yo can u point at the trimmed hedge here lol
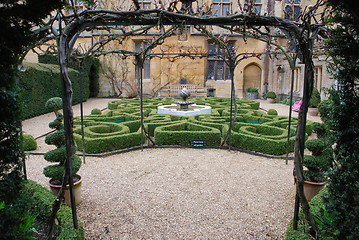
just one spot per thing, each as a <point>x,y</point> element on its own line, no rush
<point>38,200</point>
<point>261,132</point>
<point>262,138</point>
<point>28,142</point>
<point>319,212</point>
<point>43,81</point>
<point>128,136</point>
<point>90,67</point>
<point>183,133</point>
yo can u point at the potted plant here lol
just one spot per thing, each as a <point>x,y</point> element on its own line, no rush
<point>271,96</point>
<point>318,164</point>
<point>251,93</point>
<point>314,102</point>
<point>56,171</point>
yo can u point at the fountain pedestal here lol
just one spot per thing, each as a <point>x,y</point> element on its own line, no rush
<point>194,110</point>
<point>184,107</point>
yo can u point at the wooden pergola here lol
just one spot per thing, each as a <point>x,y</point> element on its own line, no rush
<point>301,35</point>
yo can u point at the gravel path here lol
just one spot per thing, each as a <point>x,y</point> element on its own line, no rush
<point>178,193</point>
<point>182,194</point>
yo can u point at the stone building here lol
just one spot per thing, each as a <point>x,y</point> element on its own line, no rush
<point>266,73</point>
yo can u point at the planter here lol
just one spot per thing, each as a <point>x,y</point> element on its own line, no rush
<point>252,95</point>
<point>55,188</point>
<point>270,100</point>
<point>313,111</point>
<point>312,188</point>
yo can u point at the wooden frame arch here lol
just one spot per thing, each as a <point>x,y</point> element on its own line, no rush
<point>300,33</point>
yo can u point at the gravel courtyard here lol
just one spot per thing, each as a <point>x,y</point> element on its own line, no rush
<point>177,193</point>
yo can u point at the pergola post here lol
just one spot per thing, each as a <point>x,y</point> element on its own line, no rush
<point>97,18</point>
<point>138,69</point>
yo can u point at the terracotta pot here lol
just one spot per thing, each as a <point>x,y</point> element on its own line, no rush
<point>270,100</point>
<point>313,111</point>
<point>312,188</point>
<point>77,190</point>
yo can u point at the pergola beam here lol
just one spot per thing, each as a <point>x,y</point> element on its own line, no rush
<point>94,19</point>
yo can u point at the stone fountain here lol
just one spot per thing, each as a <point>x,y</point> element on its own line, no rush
<point>184,107</point>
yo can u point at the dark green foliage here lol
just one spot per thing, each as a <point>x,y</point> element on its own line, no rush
<point>48,59</point>
<point>321,161</point>
<point>317,146</point>
<point>252,90</point>
<point>315,98</point>
<point>18,19</point>
<point>10,154</point>
<point>272,112</point>
<point>320,129</point>
<point>57,171</point>
<point>29,142</point>
<point>317,166</point>
<point>286,101</point>
<point>183,133</point>
<point>38,201</point>
<point>262,138</point>
<point>33,201</point>
<point>90,69</point>
<point>321,217</point>
<point>118,128</point>
<point>57,139</point>
<point>325,109</point>
<point>93,68</point>
<point>343,119</point>
<point>109,143</point>
<point>96,111</point>
<point>16,225</point>
<point>56,155</point>
<point>43,81</point>
<point>300,234</point>
<point>271,95</point>
<point>54,104</point>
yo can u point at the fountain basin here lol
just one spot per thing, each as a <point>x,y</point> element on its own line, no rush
<point>193,110</point>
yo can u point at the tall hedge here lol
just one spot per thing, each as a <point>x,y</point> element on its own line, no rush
<point>43,81</point>
<point>90,68</point>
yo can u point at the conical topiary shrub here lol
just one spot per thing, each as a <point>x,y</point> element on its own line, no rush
<point>315,98</point>
<point>55,172</point>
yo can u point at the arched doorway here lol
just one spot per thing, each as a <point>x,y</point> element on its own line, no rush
<point>252,76</point>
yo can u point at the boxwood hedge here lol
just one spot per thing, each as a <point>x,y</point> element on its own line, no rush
<point>118,127</point>
<point>183,133</point>
<point>262,138</point>
<point>38,200</point>
<point>128,135</point>
<point>41,82</point>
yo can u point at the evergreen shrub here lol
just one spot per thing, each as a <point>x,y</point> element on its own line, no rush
<point>90,68</point>
<point>271,95</point>
<point>252,90</point>
<point>57,139</point>
<point>319,129</point>
<point>101,136</point>
<point>43,81</point>
<point>272,112</point>
<point>262,138</point>
<point>96,111</point>
<point>315,98</point>
<point>129,135</point>
<point>183,133</point>
<point>29,142</point>
<point>38,200</point>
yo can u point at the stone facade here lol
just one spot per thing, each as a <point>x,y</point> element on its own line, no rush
<point>264,73</point>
